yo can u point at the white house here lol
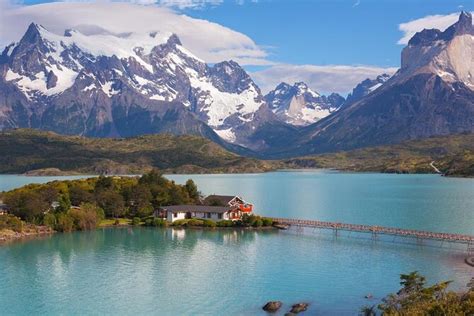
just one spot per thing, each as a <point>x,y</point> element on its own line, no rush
<point>218,208</point>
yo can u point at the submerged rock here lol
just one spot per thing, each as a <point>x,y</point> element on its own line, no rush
<point>272,306</point>
<point>298,308</point>
<point>470,261</point>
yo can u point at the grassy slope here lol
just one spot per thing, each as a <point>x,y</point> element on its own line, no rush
<point>30,150</point>
<point>27,150</point>
<point>453,155</point>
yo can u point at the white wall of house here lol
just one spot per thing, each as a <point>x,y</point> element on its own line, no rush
<point>210,215</point>
<point>201,215</point>
<point>175,216</point>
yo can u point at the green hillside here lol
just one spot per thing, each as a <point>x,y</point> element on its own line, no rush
<point>452,155</point>
<point>25,150</point>
<point>43,153</point>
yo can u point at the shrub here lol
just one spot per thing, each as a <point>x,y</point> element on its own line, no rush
<point>257,223</point>
<point>15,224</point>
<point>149,222</point>
<point>415,298</point>
<point>225,223</point>
<point>86,216</point>
<point>267,221</point>
<point>117,222</point>
<point>195,222</point>
<point>159,222</point>
<point>65,223</point>
<point>136,221</point>
<point>209,223</point>
<point>249,220</point>
<point>100,214</point>
<point>238,223</point>
<point>49,220</point>
<point>11,222</point>
<point>145,211</point>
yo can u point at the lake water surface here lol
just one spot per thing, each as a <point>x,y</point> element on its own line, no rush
<point>190,272</point>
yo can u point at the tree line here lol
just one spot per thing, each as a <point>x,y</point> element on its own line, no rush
<point>417,298</point>
<point>81,204</point>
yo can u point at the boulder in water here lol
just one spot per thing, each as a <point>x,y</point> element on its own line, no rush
<point>272,306</point>
<point>298,308</point>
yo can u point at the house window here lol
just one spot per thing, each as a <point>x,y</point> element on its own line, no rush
<point>208,215</point>
<point>175,214</point>
<point>219,216</point>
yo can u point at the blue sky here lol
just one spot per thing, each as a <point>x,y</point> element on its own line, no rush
<point>327,32</point>
<point>320,42</point>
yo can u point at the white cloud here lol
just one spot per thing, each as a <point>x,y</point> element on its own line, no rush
<point>324,79</point>
<point>186,4</point>
<point>440,22</point>
<point>209,41</point>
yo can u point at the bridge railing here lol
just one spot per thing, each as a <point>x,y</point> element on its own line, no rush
<point>376,229</point>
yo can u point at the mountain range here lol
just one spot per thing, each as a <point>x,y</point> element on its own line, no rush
<point>122,85</point>
<point>432,94</point>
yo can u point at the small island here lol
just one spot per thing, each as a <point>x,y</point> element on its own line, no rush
<point>148,200</point>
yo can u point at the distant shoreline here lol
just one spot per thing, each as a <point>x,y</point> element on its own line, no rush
<point>60,173</point>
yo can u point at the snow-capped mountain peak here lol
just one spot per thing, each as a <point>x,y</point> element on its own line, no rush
<point>303,88</point>
<point>299,105</point>
<point>146,70</point>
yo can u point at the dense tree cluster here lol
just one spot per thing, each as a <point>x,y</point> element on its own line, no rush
<point>81,204</point>
<point>416,298</point>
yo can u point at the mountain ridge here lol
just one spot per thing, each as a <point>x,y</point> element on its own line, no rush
<point>122,85</point>
<point>430,95</point>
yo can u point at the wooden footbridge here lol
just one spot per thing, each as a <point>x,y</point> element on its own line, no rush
<point>419,235</point>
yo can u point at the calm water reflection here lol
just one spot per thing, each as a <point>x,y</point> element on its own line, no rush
<point>177,272</point>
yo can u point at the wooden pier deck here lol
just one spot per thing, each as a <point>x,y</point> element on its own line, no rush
<point>376,230</point>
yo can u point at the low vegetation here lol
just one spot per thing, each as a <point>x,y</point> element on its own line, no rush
<point>453,155</point>
<point>10,222</point>
<point>87,203</point>
<point>416,298</point>
<point>247,220</point>
<point>45,153</point>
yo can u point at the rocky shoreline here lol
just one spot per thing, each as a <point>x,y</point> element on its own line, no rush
<point>8,235</point>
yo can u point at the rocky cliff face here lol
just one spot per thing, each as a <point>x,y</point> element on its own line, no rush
<point>365,87</point>
<point>432,94</point>
<point>447,54</point>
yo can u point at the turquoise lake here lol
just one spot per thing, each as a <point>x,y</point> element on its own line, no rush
<point>233,272</point>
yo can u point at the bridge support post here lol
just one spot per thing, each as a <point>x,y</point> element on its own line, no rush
<point>374,235</point>
<point>419,241</point>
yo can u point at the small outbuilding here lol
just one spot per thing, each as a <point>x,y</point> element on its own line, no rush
<point>3,208</point>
